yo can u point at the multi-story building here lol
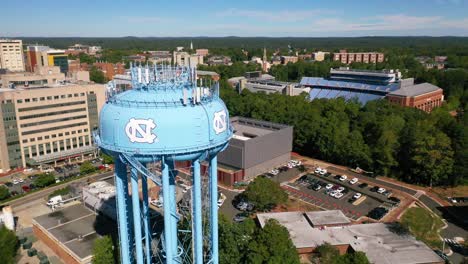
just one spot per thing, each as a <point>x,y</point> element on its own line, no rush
<point>365,85</point>
<point>41,77</point>
<point>110,69</point>
<point>185,59</point>
<point>202,52</point>
<point>288,59</point>
<point>40,125</point>
<point>319,55</point>
<point>11,55</point>
<point>365,57</point>
<point>38,55</point>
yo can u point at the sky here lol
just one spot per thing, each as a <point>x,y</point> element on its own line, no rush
<point>245,18</point>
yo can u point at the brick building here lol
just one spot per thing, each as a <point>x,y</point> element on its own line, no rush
<point>365,57</point>
<point>424,96</point>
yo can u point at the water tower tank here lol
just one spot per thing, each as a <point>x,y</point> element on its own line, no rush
<point>168,116</point>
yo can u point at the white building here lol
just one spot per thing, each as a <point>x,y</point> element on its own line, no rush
<point>183,58</point>
<point>11,55</point>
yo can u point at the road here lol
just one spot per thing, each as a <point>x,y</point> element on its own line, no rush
<point>40,194</point>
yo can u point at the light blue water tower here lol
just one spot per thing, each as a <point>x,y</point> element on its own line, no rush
<point>168,116</point>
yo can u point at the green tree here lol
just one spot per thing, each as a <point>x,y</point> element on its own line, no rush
<point>8,245</point>
<point>265,193</point>
<point>327,253</point>
<point>97,76</point>
<point>44,180</point>
<point>272,245</point>
<point>351,258</point>
<point>103,251</point>
<point>234,239</point>
<point>107,159</point>
<point>4,192</point>
<point>86,168</point>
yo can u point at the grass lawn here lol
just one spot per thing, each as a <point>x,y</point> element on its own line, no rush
<point>423,225</point>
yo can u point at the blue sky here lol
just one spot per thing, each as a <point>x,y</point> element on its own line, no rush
<point>274,18</point>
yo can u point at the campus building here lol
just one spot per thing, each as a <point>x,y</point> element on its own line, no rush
<point>183,58</point>
<point>364,57</point>
<point>366,85</point>
<point>11,55</point>
<point>308,230</point>
<point>41,56</point>
<point>47,121</point>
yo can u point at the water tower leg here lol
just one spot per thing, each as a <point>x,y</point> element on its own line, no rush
<point>173,205</point>
<point>137,217</point>
<point>146,220</point>
<point>168,236</point>
<point>197,214</point>
<point>214,208</point>
<point>122,195</point>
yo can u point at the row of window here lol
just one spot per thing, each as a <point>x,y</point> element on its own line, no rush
<point>79,131</point>
<point>56,146</point>
<point>63,96</point>
<point>53,128</point>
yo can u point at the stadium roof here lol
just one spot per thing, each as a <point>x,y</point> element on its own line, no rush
<point>358,86</point>
<point>415,90</point>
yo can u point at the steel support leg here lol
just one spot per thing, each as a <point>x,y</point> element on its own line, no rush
<point>214,209</point>
<point>168,236</point>
<point>123,214</point>
<point>137,217</point>
<point>146,219</point>
<point>173,206</point>
<point>197,214</point>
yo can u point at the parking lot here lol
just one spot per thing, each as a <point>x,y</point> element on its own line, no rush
<point>303,188</point>
<point>19,183</point>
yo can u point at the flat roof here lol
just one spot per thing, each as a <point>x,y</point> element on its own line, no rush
<point>76,228</point>
<point>379,241</point>
<point>322,218</point>
<point>416,90</point>
<point>246,128</point>
<point>297,225</point>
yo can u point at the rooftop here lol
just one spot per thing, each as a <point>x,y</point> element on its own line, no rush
<point>246,128</point>
<point>75,228</point>
<point>322,218</point>
<point>380,242</point>
<point>416,90</point>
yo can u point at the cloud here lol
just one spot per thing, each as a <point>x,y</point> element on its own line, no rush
<point>279,16</point>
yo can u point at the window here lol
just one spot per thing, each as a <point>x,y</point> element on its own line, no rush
<point>70,95</point>
<point>19,101</point>
<point>39,138</point>
<point>63,96</point>
<point>42,98</point>
<point>56,97</point>
<point>34,99</point>
<point>27,100</point>
<point>49,97</point>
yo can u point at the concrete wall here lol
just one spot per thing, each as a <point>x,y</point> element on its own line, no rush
<point>250,173</point>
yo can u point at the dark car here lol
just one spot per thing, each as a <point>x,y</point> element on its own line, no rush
<point>374,189</point>
<point>14,193</point>
<point>302,179</point>
<point>8,184</point>
<point>317,187</point>
<point>363,185</point>
<point>394,200</point>
<point>240,217</point>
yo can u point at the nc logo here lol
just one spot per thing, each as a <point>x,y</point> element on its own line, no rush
<point>219,121</point>
<point>139,130</point>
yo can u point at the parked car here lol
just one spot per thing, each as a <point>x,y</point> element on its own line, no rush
<point>15,181</point>
<point>395,200</point>
<point>14,193</point>
<point>374,189</point>
<point>317,187</point>
<point>343,178</point>
<point>240,217</point>
<point>353,181</point>
<point>340,189</point>
<point>387,193</point>
<point>329,186</point>
<point>363,185</point>
<point>339,195</point>
<point>333,193</point>
<point>323,172</point>
<point>381,190</point>
<point>221,199</point>
<point>357,196</point>
<point>8,184</point>
<point>26,188</point>
<point>318,170</point>
<point>302,179</point>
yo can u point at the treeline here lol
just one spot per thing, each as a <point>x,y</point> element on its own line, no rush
<point>429,46</point>
<point>405,143</point>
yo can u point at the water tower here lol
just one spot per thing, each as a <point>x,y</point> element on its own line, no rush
<point>168,116</point>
